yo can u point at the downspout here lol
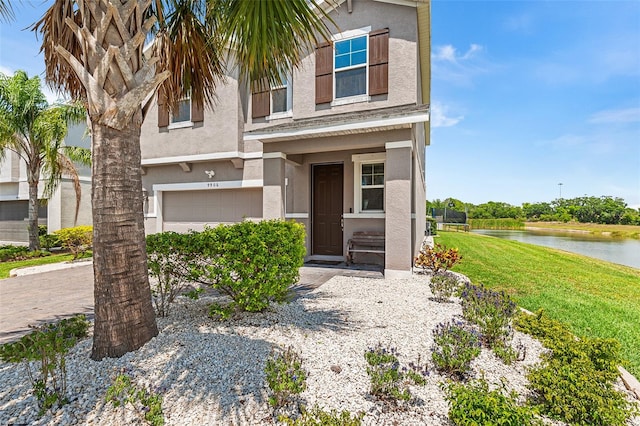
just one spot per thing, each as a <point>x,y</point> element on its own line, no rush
<point>349,6</point>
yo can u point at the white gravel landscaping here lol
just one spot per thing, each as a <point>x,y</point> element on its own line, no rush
<point>211,373</point>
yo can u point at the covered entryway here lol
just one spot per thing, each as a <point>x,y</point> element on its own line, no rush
<point>327,208</point>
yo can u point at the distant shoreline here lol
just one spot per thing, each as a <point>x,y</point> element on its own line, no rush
<point>613,231</point>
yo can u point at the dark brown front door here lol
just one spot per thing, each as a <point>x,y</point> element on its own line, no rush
<point>326,219</point>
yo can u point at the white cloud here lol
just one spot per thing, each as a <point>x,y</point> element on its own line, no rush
<point>628,115</point>
<point>458,68</point>
<point>448,53</point>
<point>439,116</point>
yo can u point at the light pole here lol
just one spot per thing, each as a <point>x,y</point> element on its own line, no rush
<point>560,186</point>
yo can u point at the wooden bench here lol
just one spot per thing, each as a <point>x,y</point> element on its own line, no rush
<point>365,242</point>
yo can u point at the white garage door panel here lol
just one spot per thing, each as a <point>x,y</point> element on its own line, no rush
<point>213,206</point>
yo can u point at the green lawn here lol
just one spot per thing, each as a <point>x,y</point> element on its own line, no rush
<point>5,267</point>
<point>595,298</point>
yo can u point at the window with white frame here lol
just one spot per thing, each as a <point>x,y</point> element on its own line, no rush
<point>182,114</point>
<point>369,172</point>
<point>281,98</point>
<point>350,67</point>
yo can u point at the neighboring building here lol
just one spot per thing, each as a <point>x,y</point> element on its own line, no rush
<point>339,146</point>
<point>58,211</point>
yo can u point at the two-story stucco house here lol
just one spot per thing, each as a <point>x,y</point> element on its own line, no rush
<point>339,146</point>
<point>57,212</point>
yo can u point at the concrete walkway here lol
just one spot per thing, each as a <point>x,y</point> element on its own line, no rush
<point>44,297</point>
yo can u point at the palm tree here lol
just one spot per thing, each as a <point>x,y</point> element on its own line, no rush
<point>35,131</point>
<point>94,49</point>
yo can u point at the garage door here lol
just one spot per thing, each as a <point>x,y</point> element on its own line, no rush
<point>193,209</point>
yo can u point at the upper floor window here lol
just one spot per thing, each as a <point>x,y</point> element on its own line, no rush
<point>183,112</point>
<point>353,67</point>
<point>272,102</point>
<point>186,114</point>
<point>350,64</point>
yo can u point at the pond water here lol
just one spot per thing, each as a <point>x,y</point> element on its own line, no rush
<point>624,251</point>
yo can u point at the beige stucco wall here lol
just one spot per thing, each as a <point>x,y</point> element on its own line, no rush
<point>403,58</point>
<point>221,130</point>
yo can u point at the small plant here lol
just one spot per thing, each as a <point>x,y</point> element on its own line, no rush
<point>475,404</point>
<point>438,258</point>
<point>318,417</point>
<point>387,380</point>
<point>506,353</point>
<point>77,239</point>
<point>145,402</point>
<point>455,346</point>
<point>492,311</point>
<point>285,376</point>
<point>443,286</point>
<point>578,394</point>
<point>417,372</point>
<point>47,345</point>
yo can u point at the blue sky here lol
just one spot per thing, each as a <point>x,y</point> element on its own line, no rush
<point>525,95</point>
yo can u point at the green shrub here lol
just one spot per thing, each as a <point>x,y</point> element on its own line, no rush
<point>10,253</point>
<point>42,230</point>
<point>285,376</point>
<point>318,417</point>
<point>443,286</point>
<point>574,382</point>
<point>145,402</point>
<point>474,404</point>
<point>434,225</point>
<point>47,347</point>
<point>492,311</point>
<point>77,239</point>
<point>387,380</point>
<point>49,240</point>
<point>438,258</point>
<point>604,354</point>
<point>168,261</point>
<point>455,346</point>
<point>578,394</point>
<point>253,264</point>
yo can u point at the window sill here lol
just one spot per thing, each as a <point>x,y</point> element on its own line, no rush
<point>351,100</point>
<point>180,125</point>
<point>280,115</point>
<point>364,215</point>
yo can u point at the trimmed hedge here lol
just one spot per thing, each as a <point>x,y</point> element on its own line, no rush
<point>252,263</point>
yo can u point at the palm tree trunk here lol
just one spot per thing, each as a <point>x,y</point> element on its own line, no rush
<point>124,316</point>
<point>34,240</point>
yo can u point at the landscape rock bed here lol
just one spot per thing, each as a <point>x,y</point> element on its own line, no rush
<point>211,372</point>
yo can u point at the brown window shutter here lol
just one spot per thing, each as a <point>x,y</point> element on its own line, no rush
<point>197,112</point>
<point>324,73</point>
<point>260,100</point>
<point>163,111</point>
<point>379,62</point>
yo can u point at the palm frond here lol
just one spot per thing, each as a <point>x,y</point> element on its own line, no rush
<point>269,37</point>
<point>55,32</point>
<point>6,11</point>
<point>191,50</point>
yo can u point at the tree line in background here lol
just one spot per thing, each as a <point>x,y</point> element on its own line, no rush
<point>605,210</point>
